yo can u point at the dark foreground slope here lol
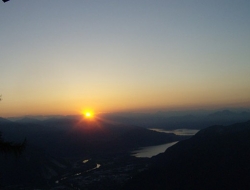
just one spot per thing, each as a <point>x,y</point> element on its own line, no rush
<point>217,157</point>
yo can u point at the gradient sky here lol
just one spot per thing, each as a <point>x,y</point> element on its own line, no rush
<point>61,56</point>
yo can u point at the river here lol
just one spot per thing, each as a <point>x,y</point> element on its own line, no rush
<point>80,173</point>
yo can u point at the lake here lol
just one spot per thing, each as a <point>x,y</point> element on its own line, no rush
<point>149,151</point>
<point>177,131</point>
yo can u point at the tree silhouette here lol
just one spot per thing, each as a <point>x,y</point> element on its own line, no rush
<point>7,147</point>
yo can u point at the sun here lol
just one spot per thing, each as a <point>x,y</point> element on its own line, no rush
<point>88,114</point>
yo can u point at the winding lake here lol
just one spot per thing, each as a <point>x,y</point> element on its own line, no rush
<point>149,151</point>
<point>177,131</point>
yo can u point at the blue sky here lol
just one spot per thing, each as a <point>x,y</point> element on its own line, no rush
<point>60,57</point>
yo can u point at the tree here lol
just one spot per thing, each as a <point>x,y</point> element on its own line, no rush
<point>7,147</point>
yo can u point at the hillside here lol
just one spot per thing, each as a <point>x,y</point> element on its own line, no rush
<point>215,158</point>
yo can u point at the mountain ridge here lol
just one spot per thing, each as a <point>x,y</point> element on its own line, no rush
<point>215,158</point>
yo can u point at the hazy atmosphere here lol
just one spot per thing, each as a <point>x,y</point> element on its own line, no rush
<point>62,57</point>
<point>105,94</point>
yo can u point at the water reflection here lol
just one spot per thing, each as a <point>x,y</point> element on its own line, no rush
<point>80,173</point>
<point>177,131</point>
<point>149,151</point>
<point>85,161</point>
<point>97,166</point>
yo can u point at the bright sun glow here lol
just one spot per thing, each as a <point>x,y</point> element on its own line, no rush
<point>88,114</point>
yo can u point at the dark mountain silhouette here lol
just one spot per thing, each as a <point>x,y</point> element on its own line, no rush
<point>215,158</point>
<point>31,169</point>
<point>4,121</point>
<point>28,120</point>
<point>58,140</point>
<point>192,120</point>
<point>10,146</point>
<point>223,113</point>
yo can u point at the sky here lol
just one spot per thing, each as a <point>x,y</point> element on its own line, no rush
<point>62,57</point>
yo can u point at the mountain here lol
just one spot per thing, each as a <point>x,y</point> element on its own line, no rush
<point>33,168</point>
<point>182,120</point>
<point>4,121</point>
<point>56,145</point>
<point>215,158</point>
<point>27,120</point>
<point>75,132</point>
<point>223,113</point>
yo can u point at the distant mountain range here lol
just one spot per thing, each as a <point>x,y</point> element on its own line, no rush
<point>75,132</point>
<point>215,158</point>
<point>187,120</point>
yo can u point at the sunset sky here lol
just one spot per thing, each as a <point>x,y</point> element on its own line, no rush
<point>62,56</point>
